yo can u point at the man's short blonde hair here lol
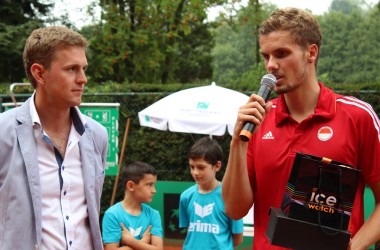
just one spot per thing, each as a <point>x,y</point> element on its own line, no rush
<point>302,25</point>
<point>43,43</point>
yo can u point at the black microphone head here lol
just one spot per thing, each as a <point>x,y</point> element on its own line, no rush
<point>269,80</point>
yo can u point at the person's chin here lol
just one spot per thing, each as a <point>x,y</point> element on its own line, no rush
<point>199,182</point>
<point>197,179</point>
<point>282,89</point>
<point>75,103</point>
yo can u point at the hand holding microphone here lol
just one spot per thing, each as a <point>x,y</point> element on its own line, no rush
<point>268,82</point>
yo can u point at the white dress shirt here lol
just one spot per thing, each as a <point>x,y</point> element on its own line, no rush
<point>64,210</point>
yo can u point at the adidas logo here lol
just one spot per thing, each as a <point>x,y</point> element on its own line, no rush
<point>268,136</point>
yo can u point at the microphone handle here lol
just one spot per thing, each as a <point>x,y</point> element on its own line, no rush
<point>264,92</point>
<point>248,127</point>
<point>246,132</point>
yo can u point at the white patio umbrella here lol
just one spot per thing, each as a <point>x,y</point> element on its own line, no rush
<point>201,110</point>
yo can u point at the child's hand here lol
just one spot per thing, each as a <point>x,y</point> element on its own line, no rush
<point>146,236</point>
<point>125,234</point>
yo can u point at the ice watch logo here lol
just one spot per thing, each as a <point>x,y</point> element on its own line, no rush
<point>322,202</point>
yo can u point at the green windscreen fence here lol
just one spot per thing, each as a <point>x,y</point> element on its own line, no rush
<point>106,114</point>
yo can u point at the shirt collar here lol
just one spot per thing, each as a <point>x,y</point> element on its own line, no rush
<point>326,106</point>
<point>33,111</point>
<point>77,117</point>
<point>78,120</point>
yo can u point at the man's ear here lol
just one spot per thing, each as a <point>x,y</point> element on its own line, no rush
<point>313,53</point>
<point>38,71</point>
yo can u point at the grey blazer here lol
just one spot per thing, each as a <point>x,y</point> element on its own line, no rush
<point>20,190</point>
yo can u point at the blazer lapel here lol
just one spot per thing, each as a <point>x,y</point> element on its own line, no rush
<point>87,157</point>
<point>28,148</point>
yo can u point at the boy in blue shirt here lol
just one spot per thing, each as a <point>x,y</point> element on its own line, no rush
<point>131,224</point>
<point>201,208</point>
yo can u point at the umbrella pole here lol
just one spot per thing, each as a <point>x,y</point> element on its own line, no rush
<point>120,160</point>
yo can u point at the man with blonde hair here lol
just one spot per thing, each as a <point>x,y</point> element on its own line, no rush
<point>52,157</point>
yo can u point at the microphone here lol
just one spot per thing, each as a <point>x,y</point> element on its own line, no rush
<point>268,82</point>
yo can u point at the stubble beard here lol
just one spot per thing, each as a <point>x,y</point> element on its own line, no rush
<point>286,88</point>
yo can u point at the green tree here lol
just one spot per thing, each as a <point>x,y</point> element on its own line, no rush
<point>143,41</point>
<point>349,52</point>
<point>334,55</point>
<point>193,63</point>
<point>17,19</point>
<point>364,48</point>
<point>345,6</point>
<point>236,56</point>
<point>18,12</point>
<point>228,60</point>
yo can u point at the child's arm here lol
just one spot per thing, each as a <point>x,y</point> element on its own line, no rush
<point>237,238</point>
<point>148,241</point>
<point>157,242</point>
<point>113,246</point>
<point>112,233</point>
<point>116,246</point>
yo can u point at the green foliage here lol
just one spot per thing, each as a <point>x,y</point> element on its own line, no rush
<point>151,41</point>
<point>17,18</point>
<point>350,51</point>
<point>250,79</point>
<point>17,12</point>
<point>228,61</point>
<point>12,42</point>
<point>161,42</point>
<point>193,56</point>
<point>344,6</point>
<point>236,53</point>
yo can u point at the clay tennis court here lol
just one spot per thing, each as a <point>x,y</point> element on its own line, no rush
<point>172,244</point>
